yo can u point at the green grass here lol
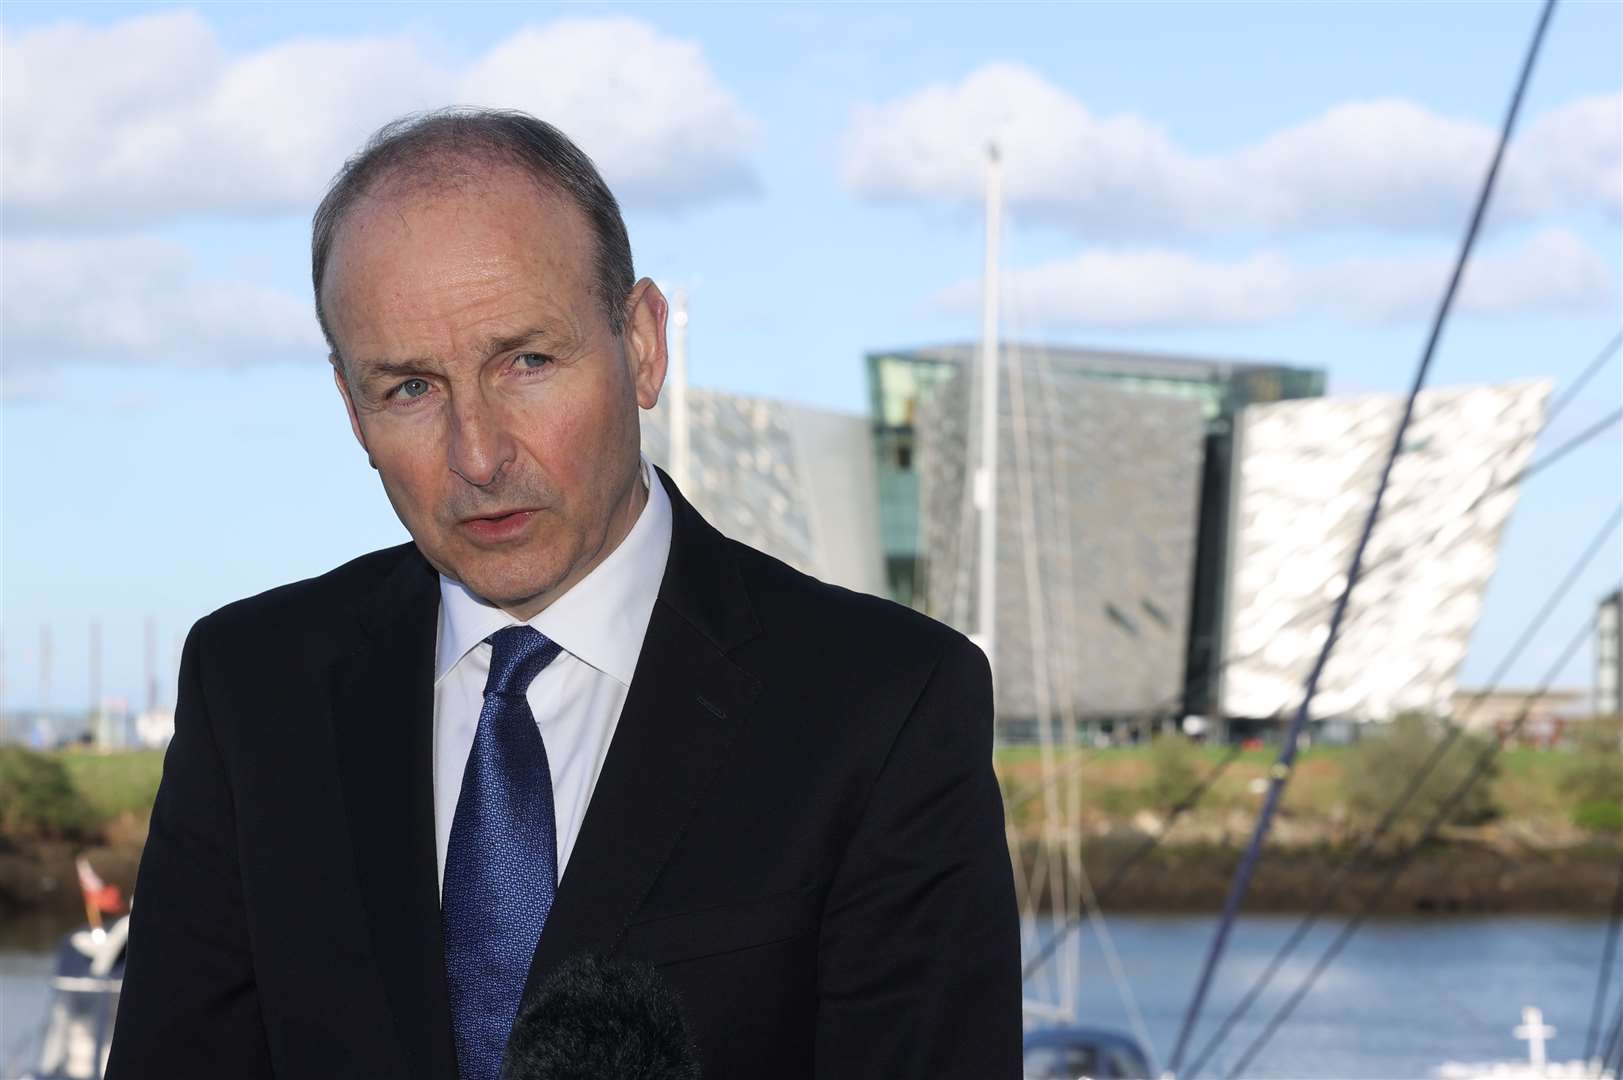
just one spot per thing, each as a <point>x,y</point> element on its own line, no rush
<point>1116,783</point>
<point>75,795</point>
<point>115,784</point>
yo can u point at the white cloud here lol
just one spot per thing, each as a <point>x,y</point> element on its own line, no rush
<point>1553,271</point>
<point>647,108</point>
<point>139,299</point>
<point>1387,163</point>
<point>1144,288</point>
<point>151,118</point>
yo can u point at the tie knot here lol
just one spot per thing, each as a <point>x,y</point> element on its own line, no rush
<point>517,655</point>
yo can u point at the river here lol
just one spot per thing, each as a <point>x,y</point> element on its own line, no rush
<point>1405,996</point>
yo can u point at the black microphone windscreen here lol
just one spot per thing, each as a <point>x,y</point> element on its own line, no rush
<point>597,1019</point>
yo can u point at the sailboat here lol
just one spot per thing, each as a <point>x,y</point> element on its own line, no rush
<point>1536,1033</point>
<point>77,1029</point>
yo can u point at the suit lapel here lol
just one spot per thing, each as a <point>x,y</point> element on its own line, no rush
<point>686,705</point>
<point>384,723</point>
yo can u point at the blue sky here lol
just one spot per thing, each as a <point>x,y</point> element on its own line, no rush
<point>1274,181</point>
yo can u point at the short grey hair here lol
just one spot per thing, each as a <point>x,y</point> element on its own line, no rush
<point>437,145</point>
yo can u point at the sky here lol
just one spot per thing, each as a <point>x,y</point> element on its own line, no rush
<point>1265,181</point>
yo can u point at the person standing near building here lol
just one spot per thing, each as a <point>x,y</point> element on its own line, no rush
<point>568,718</point>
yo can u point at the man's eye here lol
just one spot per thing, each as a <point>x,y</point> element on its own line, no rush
<point>412,388</point>
<point>531,360</point>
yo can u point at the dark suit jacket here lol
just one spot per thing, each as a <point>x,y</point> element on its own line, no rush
<point>797,823</point>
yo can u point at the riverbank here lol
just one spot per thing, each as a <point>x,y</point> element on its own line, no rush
<point>1538,835</point>
<point>1528,854</point>
<point>1459,877</point>
<point>57,805</point>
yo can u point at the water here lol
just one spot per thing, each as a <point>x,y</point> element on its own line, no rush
<point>27,956</point>
<point>1405,996</point>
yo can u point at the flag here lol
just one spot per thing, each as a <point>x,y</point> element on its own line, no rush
<point>99,895</point>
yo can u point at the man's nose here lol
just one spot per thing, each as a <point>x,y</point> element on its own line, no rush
<point>480,444</point>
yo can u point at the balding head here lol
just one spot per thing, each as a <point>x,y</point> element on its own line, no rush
<point>451,148</point>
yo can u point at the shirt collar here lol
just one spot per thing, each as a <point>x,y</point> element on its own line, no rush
<point>601,620</point>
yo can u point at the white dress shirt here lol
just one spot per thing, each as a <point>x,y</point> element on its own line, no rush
<point>576,700</point>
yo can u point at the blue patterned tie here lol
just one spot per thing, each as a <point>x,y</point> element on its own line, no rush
<point>501,865</point>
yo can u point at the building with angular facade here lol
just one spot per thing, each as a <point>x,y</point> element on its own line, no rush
<point>795,482</point>
<point>1154,514</point>
<point>1307,472</point>
<point>1099,493</point>
<point>900,381</point>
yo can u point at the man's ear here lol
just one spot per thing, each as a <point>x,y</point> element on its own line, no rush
<point>645,341</point>
<point>349,403</point>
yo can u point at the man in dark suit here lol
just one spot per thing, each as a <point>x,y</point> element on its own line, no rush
<point>777,792</point>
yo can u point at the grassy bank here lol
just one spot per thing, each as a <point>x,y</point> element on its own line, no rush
<point>1459,877</point>
<point>1530,790</point>
<point>1543,833</point>
<point>55,805</point>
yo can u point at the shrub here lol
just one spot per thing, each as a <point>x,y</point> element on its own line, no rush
<point>1592,777</point>
<point>1174,771</point>
<point>38,799</point>
<point>1117,800</point>
<point>1380,767</point>
<point>1599,816</point>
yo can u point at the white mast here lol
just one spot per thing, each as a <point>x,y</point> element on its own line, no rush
<point>680,445</point>
<point>986,475</point>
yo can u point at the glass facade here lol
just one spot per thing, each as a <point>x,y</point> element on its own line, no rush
<point>899,380</point>
<point>898,383</point>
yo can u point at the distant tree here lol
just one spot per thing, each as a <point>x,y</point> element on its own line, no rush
<point>38,799</point>
<point>1380,767</point>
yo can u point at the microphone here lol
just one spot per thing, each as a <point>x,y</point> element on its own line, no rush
<point>599,1019</point>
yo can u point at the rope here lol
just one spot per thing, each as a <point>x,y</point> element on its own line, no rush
<point>1374,897</point>
<point>1282,767</point>
<point>1567,447</point>
<point>1146,846</point>
<point>1571,393</point>
<point>1602,982</point>
<point>1612,1061</point>
<point>1356,860</point>
<point>1018,799</point>
<point>1036,624</point>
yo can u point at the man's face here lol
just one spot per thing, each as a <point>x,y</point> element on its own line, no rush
<point>481,374</point>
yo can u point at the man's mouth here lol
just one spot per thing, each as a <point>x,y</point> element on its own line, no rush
<point>494,528</point>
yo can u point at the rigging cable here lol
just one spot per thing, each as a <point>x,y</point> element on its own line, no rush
<point>1568,396</point>
<point>1281,769</point>
<point>1612,1060</point>
<point>1194,795</point>
<point>1016,800</point>
<point>1037,628</point>
<point>1357,859</point>
<point>1567,447</point>
<point>1602,982</point>
<point>1595,365</point>
<point>1443,811</point>
<point>1135,856</point>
